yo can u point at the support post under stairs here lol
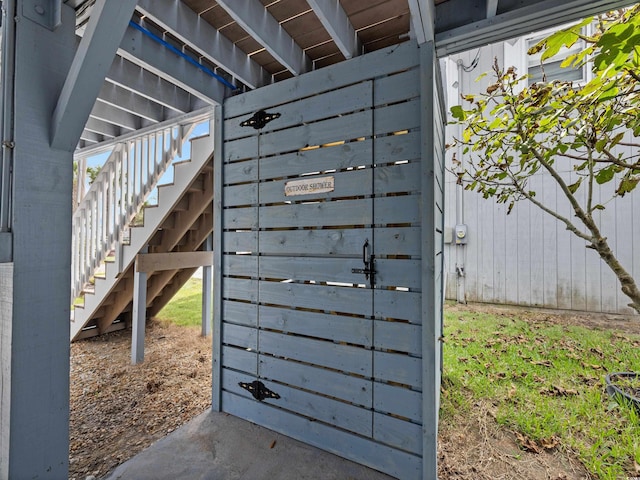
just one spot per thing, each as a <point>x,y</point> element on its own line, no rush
<point>139,315</point>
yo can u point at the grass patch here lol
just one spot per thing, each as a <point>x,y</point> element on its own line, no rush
<point>185,308</point>
<point>547,384</point>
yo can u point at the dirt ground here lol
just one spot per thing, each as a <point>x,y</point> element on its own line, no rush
<point>118,409</point>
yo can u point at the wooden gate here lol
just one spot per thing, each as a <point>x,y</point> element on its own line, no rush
<point>321,270</point>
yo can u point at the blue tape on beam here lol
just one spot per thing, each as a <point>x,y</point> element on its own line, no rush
<point>183,55</point>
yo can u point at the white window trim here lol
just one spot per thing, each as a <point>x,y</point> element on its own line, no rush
<point>515,53</point>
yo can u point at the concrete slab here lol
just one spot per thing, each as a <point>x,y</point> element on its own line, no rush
<point>217,446</point>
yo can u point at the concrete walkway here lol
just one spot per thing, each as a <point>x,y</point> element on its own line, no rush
<point>217,446</point>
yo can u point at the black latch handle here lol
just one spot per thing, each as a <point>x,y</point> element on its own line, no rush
<point>369,267</point>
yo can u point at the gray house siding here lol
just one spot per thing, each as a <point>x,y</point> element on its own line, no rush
<point>528,258</point>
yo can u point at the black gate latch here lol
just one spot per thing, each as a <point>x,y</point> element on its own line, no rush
<point>369,267</point>
<point>258,390</point>
<point>259,119</point>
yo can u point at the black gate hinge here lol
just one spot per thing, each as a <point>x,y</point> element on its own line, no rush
<point>258,390</point>
<point>259,119</point>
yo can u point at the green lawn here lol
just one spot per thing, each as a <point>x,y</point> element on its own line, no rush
<point>547,384</point>
<point>185,309</point>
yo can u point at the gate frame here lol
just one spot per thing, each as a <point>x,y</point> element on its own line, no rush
<point>432,198</point>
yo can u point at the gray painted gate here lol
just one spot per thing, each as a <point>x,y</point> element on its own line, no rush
<point>332,181</point>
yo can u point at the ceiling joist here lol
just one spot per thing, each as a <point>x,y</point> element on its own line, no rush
<point>254,18</point>
<point>190,28</point>
<point>337,24</point>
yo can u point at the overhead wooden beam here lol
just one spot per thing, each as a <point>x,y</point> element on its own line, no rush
<point>253,17</point>
<point>423,15</point>
<point>131,76</point>
<point>102,37</point>
<point>492,8</point>
<point>336,22</point>
<point>191,29</point>
<point>139,48</point>
<point>157,262</point>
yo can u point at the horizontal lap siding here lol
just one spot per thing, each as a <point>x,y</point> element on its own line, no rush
<point>345,359</point>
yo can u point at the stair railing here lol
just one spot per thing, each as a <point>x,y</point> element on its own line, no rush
<point>102,218</point>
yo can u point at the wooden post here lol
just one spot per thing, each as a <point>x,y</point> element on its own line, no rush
<point>206,291</point>
<point>139,315</point>
<point>34,274</point>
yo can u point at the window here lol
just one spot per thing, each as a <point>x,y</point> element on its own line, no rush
<point>516,54</point>
<point>551,70</point>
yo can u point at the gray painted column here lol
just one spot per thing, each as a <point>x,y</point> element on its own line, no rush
<point>35,284</point>
<point>206,291</point>
<point>139,314</point>
<point>216,338</point>
<point>432,268</point>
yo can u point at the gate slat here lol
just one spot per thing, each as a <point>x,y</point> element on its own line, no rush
<point>393,367</point>
<point>240,241</point>
<point>338,328</point>
<point>240,336</point>
<point>395,462</point>
<point>241,218</point>
<point>240,359</point>
<point>395,88</point>
<point>346,184</point>
<point>328,242</point>
<point>240,313</point>
<point>401,337</point>
<point>321,353</point>
<point>311,109</point>
<point>240,289</point>
<point>318,297</point>
<point>349,388</point>
<point>398,433</point>
<point>375,64</point>
<point>333,412</point>
<point>317,214</point>
<point>347,127</point>
<point>399,305</point>
<point>397,400</point>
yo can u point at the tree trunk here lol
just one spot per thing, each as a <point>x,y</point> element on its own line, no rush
<point>627,283</point>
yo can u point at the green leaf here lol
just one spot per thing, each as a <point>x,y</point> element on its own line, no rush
<point>605,175</point>
<point>458,113</point>
<point>627,185</point>
<point>598,207</point>
<point>574,186</point>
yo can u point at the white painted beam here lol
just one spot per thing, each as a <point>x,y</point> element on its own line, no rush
<point>135,78</point>
<point>191,29</point>
<point>122,119</point>
<point>423,15</point>
<point>104,129</point>
<point>335,21</point>
<point>90,138</point>
<point>143,51</point>
<point>104,32</point>
<point>253,17</point>
<point>128,101</point>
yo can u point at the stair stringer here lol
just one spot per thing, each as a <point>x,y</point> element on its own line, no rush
<point>168,197</point>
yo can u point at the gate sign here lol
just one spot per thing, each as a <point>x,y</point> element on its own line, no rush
<point>309,186</point>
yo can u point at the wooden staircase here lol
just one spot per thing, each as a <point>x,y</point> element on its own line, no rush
<point>180,222</point>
